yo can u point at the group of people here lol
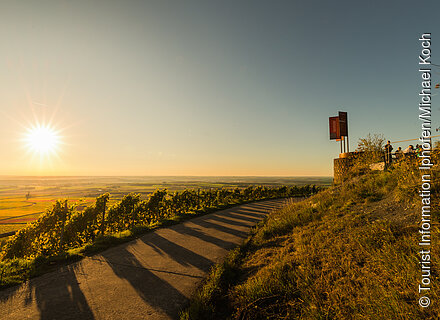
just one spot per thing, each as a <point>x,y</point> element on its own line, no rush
<point>399,153</point>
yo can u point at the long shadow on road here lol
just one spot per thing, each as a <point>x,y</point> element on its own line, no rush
<point>182,229</point>
<point>236,221</point>
<point>47,298</point>
<point>65,299</point>
<point>215,226</point>
<point>250,212</point>
<point>178,253</point>
<point>156,292</point>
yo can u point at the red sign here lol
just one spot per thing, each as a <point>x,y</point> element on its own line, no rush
<point>334,128</point>
<point>343,124</point>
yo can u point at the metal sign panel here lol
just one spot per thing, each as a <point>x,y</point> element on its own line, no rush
<point>334,128</point>
<point>343,124</point>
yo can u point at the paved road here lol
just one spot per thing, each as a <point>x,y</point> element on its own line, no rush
<point>149,278</point>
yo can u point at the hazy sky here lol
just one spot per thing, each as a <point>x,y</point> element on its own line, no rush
<point>207,87</point>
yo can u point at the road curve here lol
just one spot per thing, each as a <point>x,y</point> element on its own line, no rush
<point>148,278</point>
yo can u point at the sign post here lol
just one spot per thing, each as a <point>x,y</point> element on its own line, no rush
<point>343,126</point>
<point>334,128</point>
<point>339,130</point>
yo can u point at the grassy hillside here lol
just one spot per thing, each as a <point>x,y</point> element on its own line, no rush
<point>349,252</point>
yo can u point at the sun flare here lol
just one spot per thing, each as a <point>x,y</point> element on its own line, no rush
<point>42,139</point>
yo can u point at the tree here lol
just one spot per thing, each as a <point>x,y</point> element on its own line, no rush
<point>371,143</point>
<point>370,150</point>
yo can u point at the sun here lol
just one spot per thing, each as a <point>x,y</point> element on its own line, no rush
<point>42,139</point>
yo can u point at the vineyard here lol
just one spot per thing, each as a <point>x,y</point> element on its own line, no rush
<point>64,227</point>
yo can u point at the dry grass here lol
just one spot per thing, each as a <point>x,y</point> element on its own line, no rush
<point>350,252</point>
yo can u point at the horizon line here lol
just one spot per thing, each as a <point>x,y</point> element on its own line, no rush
<point>109,176</point>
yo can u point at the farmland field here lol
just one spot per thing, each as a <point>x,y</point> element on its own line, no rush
<point>23,199</point>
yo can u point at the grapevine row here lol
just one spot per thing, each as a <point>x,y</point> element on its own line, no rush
<point>63,227</point>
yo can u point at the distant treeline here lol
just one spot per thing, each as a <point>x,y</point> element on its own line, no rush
<point>64,227</point>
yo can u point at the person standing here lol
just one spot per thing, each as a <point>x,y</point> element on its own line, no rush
<point>418,150</point>
<point>388,149</point>
<point>399,153</point>
<point>409,150</point>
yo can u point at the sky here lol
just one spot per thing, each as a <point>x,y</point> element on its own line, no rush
<point>206,87</point>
